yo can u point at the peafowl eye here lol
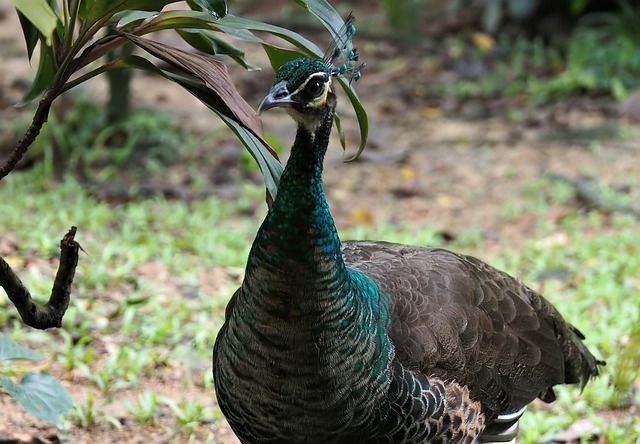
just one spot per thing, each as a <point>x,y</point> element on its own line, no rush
<point>369,341</point>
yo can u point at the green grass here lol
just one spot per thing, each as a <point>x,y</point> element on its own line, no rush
<point>128,323</point>
<point>151,289</point>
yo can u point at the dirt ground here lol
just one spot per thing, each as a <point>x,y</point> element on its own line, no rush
<point>422,163</point>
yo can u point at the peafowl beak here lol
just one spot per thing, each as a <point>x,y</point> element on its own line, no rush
<point>278,96</point>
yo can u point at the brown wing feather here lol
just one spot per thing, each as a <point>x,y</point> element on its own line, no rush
<point>456,318</point>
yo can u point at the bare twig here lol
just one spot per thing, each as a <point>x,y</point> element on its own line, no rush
<point>49,315</point>
<point>39,119</point>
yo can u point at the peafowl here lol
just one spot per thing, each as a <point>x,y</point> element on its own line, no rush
<point>375,342</point>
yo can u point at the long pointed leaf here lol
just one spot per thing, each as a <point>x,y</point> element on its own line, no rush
<point>181,19</point>
<point>267,158</point>
<point>217,8</point>
<point>338,122</point>
<point>361,114</point>
<point>198,20</point>
<point>40,15</point>
<point>126,19</point>
<point>30,32</point>
<point>209,43</point>
<point>47,69</point>
<point>236,27</point>
<point>325,13</point>
<point>270,167</point>
<point>83,8</point>
<point>211,72</point>
<point>238,23</point>
<point>101,9</point>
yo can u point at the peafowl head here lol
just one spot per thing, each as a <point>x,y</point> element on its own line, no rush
<point>304,86</point>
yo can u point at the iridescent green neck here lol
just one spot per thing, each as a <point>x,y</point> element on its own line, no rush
<point>299,226</point>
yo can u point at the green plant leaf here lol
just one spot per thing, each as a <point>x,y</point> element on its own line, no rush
<point>105,9</point>
<point>200,21</point>
<point>270,166</point>
<point>177,20</point>
<point>126,19</point>
<point>11,350</point>
<point>361,114</point>
<point>259,149</point>
<point>47,69</point>
<point>41,394</point>
<point>41,16</point>
<point>209,43</point>
<point>196,19</point>
<point>280,56</point>
<point>341,137</point>
<point>325,13</point>
<point>30,32</point>
<point>266,157</point>
<point>83,8</point>
<point>217,8</point>
<point>210,72</point>
<point>231,23</point>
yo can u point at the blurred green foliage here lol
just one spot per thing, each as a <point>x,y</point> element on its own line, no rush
<point>596,62</point>
<point>79,140</point>
<point>402,15</point>
<point>602,56</point>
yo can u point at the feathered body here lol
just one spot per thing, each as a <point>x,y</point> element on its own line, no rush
<point>374,342</point>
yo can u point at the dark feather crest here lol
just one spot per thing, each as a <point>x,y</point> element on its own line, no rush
<point>341,55</point>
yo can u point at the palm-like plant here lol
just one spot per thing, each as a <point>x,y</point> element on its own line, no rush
<point>72,52</point>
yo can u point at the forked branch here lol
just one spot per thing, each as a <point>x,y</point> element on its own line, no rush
<point>50,314</point>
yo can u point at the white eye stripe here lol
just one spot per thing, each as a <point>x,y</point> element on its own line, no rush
<point>321,75</point>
